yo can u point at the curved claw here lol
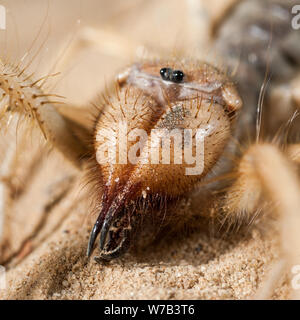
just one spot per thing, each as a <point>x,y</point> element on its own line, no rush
<point>107,252</point>
<point>112,213</point>
<point>102,226</point>
<point>108,221</point>
<point>93,236</point>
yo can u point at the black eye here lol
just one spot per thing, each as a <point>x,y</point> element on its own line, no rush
<point>166,73</point>
<point>177,76</point>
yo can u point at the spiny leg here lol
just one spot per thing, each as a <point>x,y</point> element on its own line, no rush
<point>23,96</point>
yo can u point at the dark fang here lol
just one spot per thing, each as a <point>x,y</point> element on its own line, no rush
<point>107,252</point>
<point>109,219</point>
<point>93,236</point>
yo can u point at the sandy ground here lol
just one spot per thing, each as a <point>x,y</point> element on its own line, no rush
<point>195,266</point>
<point>46,227</point>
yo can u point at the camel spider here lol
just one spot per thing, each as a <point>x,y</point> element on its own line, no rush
<point>180,92</point>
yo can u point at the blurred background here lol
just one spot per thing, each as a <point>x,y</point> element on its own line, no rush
<point>90,40</point>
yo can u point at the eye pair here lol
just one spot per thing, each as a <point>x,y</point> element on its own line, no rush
<point>169,74</point>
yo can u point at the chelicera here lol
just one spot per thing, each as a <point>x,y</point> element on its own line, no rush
<point>148,97</point>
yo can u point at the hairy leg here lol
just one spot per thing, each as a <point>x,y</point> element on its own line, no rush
<point>264,173</point>
<point>20,95</point>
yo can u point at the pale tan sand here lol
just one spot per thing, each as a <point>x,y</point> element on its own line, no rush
<point>192,267</point>
<point>196,266</point>
<point>46,230</point>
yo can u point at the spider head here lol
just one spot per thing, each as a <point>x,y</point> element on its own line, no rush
<point>161,131</point>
